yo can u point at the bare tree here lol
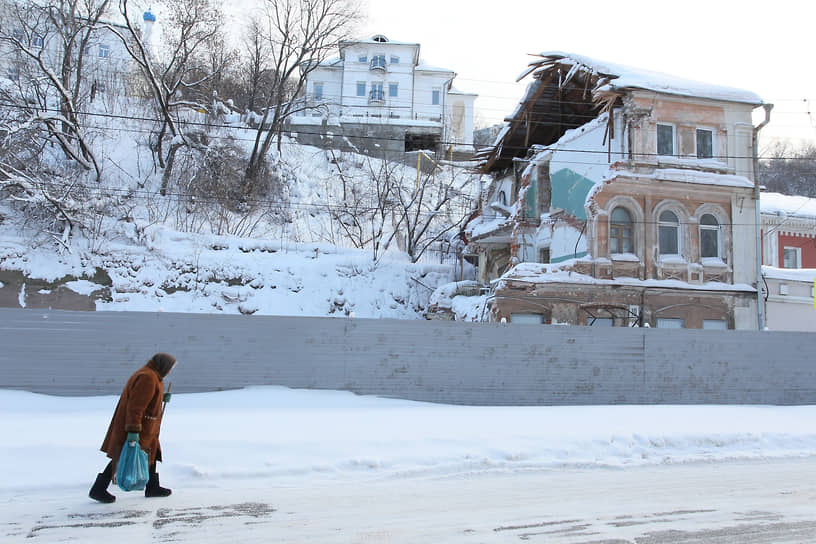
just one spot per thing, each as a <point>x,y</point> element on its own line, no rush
<point>175,75</point>
<point>48,41</point>
<point>299,34</point>
<point>254,72</point>
<point>430,208</point>
<point>788,169</point>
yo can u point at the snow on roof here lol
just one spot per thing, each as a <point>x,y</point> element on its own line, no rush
<point>702,178</point>
<point>618,76</point>
<point>454,90</point>
<point>425,67</point>
<point>377,41</point>
<point>791,274</point>
<point>797,206</point>
<point>482,226</point>
<point>334,61</point>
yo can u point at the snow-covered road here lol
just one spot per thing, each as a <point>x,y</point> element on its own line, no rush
<point>736,502</point>
<point>271,464</point>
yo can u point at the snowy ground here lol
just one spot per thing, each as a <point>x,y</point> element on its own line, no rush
<point>227,451</point>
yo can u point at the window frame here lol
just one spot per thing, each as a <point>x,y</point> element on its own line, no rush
<point>436,97</point>
<point>317,90</point>
<point>522,318</point>
<point>602,322</point>
<point>393,90</point>
<point>378,61</point>
<point>621,239</point>
<point>376,87</point>
<point>697,132</point>
<point>361,85</point>
<point>678,241</point>
<point>37,40</point>
<point>717,229</point>
<point>673,140</point>
<point>362,59</point>
<point>394,59</point>
<point>103,51</point>
<point>715,324</point>
<point>797,252</point>
<point>670,323</point>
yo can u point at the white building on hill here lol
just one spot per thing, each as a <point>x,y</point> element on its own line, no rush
<point>379,91</point>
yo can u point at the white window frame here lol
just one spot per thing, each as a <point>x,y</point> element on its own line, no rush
<point>527,319</point>
<point>37,40</point>
<point>395,88</point>
<point>363,59</point>
<point>436,96</point>
<point>673,139</point>
<point>376,87</point>
<point>713,143</point>
<point>797,252</point>
<point>715,324</point>
<point>363,84</point>
<point>671,323</point>
<point>394,59</point>
<point>13,73</point>
<point>103,51</point>
<point>378,61</point>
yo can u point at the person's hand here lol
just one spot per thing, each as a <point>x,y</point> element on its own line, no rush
<point>167,396</point>
<point>133,437</point>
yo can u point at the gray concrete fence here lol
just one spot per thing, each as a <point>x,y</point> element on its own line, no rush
<point>93,353</point>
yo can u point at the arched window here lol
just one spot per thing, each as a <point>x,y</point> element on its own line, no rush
<point>620,232</point>
<point>669,234</point>
<point>709,236</point>
<point>502,198</point>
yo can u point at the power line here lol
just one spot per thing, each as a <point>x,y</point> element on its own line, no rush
<point>211,125</point>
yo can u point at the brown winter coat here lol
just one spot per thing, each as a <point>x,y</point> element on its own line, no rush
<point>139,409</point>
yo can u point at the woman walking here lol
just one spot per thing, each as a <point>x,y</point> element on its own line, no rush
<point>138,418</point>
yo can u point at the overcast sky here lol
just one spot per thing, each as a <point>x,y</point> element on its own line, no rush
<point>764,47</point>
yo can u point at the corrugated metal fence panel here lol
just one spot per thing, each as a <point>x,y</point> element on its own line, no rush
<point>89,353</point>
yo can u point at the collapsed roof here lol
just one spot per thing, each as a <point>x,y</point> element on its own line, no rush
<point>570,90</point>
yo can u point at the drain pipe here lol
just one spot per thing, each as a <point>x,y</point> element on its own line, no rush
<point>755,143</point>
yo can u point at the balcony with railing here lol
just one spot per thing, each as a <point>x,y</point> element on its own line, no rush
<point>377,63</point>
<point>376,96</point>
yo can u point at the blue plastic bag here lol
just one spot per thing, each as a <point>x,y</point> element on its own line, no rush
<point>132,471</point>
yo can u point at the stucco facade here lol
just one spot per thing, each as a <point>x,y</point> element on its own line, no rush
<point>788,231</point>
<point>637,207</point>
<point>384,86</point>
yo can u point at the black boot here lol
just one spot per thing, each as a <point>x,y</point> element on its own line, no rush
<point>153,489</point>
<point>99,491</point>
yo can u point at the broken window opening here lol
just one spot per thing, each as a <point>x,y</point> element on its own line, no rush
<point>421,142</point>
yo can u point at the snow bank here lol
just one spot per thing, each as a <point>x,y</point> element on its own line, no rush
<point>277,433</point>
